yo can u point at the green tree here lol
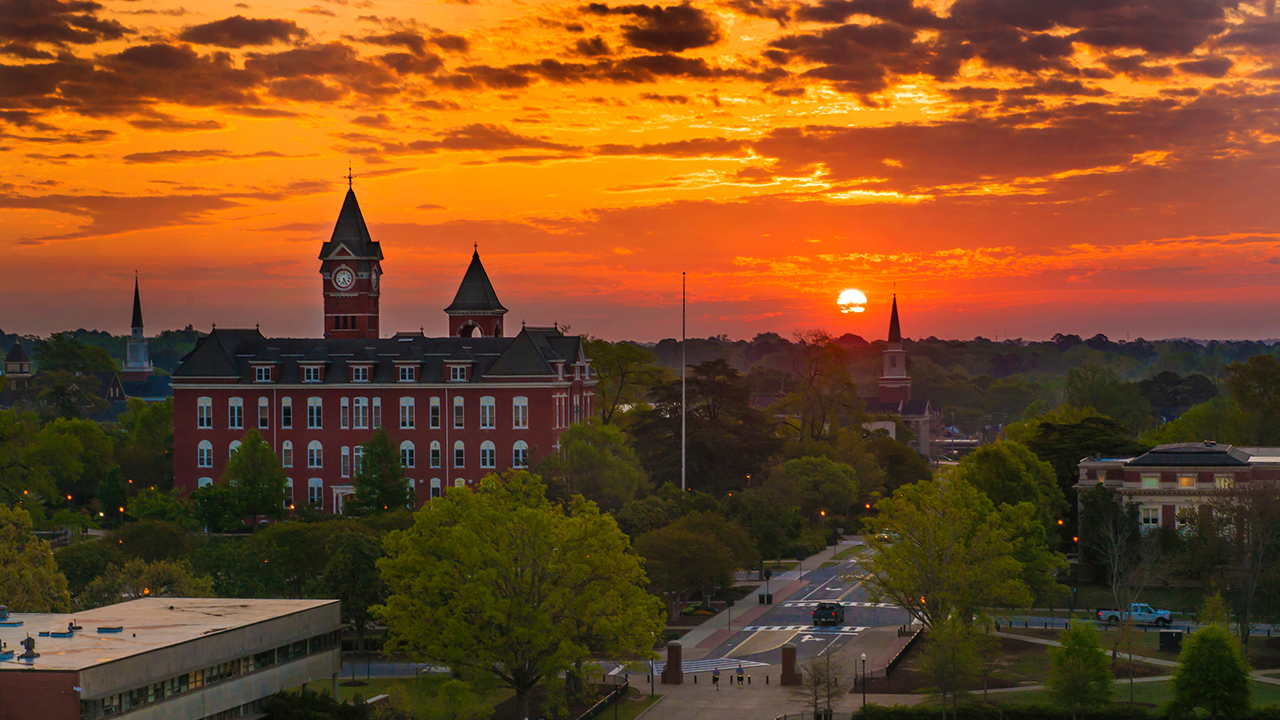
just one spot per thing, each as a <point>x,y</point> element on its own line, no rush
<point>29,577</point>
<point>1079,677</point>
<point>63,353</point>
<point>254,472</point>
<point>151,504</point>
<point>596,462</point>
<point>1009,474</point>
<point>901,464</point>
<point>84,561</point>
<point>152,540</point>
<point>681,562</point>
<point>817,484</point>
<point>217,507</point>
<point>1213,675</point>
<point>112,495</point>
<point>950,659</point>
<point>380,483</point>
<point>144,443</point>
<point>1103,390</point>
<point>624,371</point>
<point>139,578</point>
<point>941,550</point>
<point>825,398</point>
<point>25,471</point>
<point>1255,386</point>
<point>503,581</point>
<point>77,453</point>
<point>352,576</point>
<point>1213,611</point>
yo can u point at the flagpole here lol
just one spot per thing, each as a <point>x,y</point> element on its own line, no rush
<point>683,398</point>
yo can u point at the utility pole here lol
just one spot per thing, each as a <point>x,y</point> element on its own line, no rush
<point>683,397</point>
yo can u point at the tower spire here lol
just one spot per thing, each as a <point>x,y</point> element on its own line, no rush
<point>137,304</point>
<point>895,331</point>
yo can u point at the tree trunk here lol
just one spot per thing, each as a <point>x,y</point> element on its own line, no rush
<point>522,704</point>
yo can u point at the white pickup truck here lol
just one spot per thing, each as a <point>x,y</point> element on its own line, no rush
<point>1139,613</point>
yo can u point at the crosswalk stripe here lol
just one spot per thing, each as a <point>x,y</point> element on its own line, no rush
<point>807,628</point>
<point>709,664</point>
<point>845,603</point>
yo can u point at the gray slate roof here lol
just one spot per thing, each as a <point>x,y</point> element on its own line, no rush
<point>476,293</point>
<point>230,354</point>
<point>350,231</point>
<point>1205,454</point>
<point>17,355</point>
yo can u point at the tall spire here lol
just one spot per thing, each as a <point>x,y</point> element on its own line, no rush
<point>137,305</point>
<point>475,308</point>
<point>895,332</point>
<point>351,231</point>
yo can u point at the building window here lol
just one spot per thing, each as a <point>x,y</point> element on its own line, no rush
<point>357,453</point>
<point>235,414</point>
<point>313,414</point>
<point>406,373</point>
<point>204,482</point>
<point>204,454</point>
<point>407,416</point>
<point>435,413</point>
<point>577,408</point>
<point>435,454</point>
<point>346,461</point>
<point>435,487</point>
<point>311,373</point>
<point>458,415</point>
<point>1222,482</point>
<point>231,450</point>
<point>1150,517</point>
<point>286,413</point>
<point>204,413</point>
<point>286,454</point>
<point>459,455</point>
<point>377,413</point>
<point>1150,482</point>
<point>315,454</point>
<point>486,413</point>
<point>362,413</point>
<point>488,454</point>
<point>264,413</point>
<point>520,413</point>
<point>344,413</point>
<point>407,457</point>
<point>1186,481</point>
<point>288,493</point>
<point>315,493</point>
<point>520,454</point>
<point>360,373</point>
<point>457,373</point>
<point>262,374</point>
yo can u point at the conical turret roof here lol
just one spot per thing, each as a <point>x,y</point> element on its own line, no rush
<point>476,292</point>
<point>17,355</point>
<point>895,332</point>
<point>350,231</point>
<point>137,306</point>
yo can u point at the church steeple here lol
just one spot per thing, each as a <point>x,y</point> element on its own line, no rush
<point>475,308</point>
<point>895,384</point>
<point>351,272</point>
<point>895,332</point>
<point>137,358</point>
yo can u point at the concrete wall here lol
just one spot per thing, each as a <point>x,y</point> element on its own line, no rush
<point>224,696</point>
<point>145,668</point>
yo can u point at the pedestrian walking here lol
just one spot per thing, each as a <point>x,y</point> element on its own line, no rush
<point>740,676</point>
<point>715,679</point>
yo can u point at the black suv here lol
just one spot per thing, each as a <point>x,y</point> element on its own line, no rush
<point>828,613</point>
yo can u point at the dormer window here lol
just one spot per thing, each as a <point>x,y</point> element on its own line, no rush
<point>311,373</point>
<point>457,373</point>
<point>262,374</point>
<point>360,373</point>
<point>406,373</point>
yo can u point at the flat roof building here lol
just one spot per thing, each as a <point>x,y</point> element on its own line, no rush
<point>172,658</point>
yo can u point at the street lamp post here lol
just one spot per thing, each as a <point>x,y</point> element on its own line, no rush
<point>864,680</point>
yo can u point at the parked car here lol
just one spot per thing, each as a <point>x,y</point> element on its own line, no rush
<point>828,613</point>
<point>1139,613</point>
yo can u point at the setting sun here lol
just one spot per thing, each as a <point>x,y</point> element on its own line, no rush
<point>852,301</point>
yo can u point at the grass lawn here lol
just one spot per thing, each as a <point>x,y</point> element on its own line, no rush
<point>849,551</point>
<point>422,692</point>
<point>631,708</point>
<point>1149,692</point>
<point>780,565</point>
<point>1263,652</point>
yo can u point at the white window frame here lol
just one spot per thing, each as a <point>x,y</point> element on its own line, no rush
<point>459,413</point>
<point>315,413</point>
<point>315,493</point>
<point>360,415</point>
<point>1149,517</point>
<point>434,419</point>
<point>1150,481</point>
<point>357,459</point>
<point>204,454</point>
<point>359,373</point>
<point>408,455</point>
<point>435,454</point>
<point>286,454</point>
<point>488,413</point>
<point>488,454</point>
<point>520,454</point>
<point>262,373</point>
<point>1186,480</point>
<point>264,413</point>
<point>407,373</point>
<point>520,413</point>
<point>232,448</point>
<point>408,414</point>
<point>235,413</point>
<point>288,493</point>
<point>344,413</point>
<point>457,373</point>
<point>286,413</point>
<point>311,373</point>
<point>204,413</point>
<point>315,454</point>
<point>459,454</point>
<point>377,413</point>
<point>204,482</point>
<point>345,466</point>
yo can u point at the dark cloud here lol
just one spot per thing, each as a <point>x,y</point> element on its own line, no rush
<point>701,147</point>
<point>675,99</point>
<point>317,10</point>
<point>753,175</point>
<point>484,76</point>
<point>593,47</point>
<point>238,31</point>
<point>168,123</point>
<point>381,121</point>
<point>113,214</point>
<point>675,28</point>
<point>75,22</point>
<point>467,138</point>
<point>767,9</point>
<point>26,52</point>
<point>262,112</point>
<point>416,42</point>
<point>1214,67</point>
<point>182,156</point>
<point>322,72</point>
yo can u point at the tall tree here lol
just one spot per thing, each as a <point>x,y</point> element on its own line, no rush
<point>950,660</point>
<point>681,562</point>
<point>29,577</point>
<point>144,443</point>
<point>1079,678</point>
<point>817,484</point>
<point>625,372</point>
<point>941,550</point>
<point>255,474</point>
<point>380,483</point>
<point>139,578</point>
<point>504,582</point>
<point>1212,674</point>
<point>1008,473</point>
<point>352,576</point>
<point>1255,386</point>
<point>1103,390</point>
<point>826,398</point>
<point>64,353</point>
<point>595,461</point>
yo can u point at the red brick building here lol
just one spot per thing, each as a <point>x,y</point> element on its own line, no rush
<point>459,407</point>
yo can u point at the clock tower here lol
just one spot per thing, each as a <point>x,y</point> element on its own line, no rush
<point>350,271</point>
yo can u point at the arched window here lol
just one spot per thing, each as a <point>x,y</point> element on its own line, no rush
<point>435,453</point>
<point>520,413</point>
<point>264,413</point>
<point>315,454</point>
<point>204,413</point>
<point>459,454</point>
<point>520,454</point>
<point>377,413</point>
<point>346,461</point>
<point>408,416</point>
<point>235,413</point>
<point>459,482</point>
<point>435,487</point>
<point>235,445</point>
<point>362,413</point>
<point>435,413</point>
<point>407,456</point>
<point>315,493</point>
<point>286,454</point>
<point>487,413</point>
<point>313,413</point>
<point>344,413</point>
<point>488,453</point>
<point>458,416</point>
<point>286,413</point>
<point>204,454</point>
<point>204,482</point>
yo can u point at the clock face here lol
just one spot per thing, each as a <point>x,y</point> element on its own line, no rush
<point>343,279</point>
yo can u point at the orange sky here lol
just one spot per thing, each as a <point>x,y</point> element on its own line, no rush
<point>1016,167</point>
